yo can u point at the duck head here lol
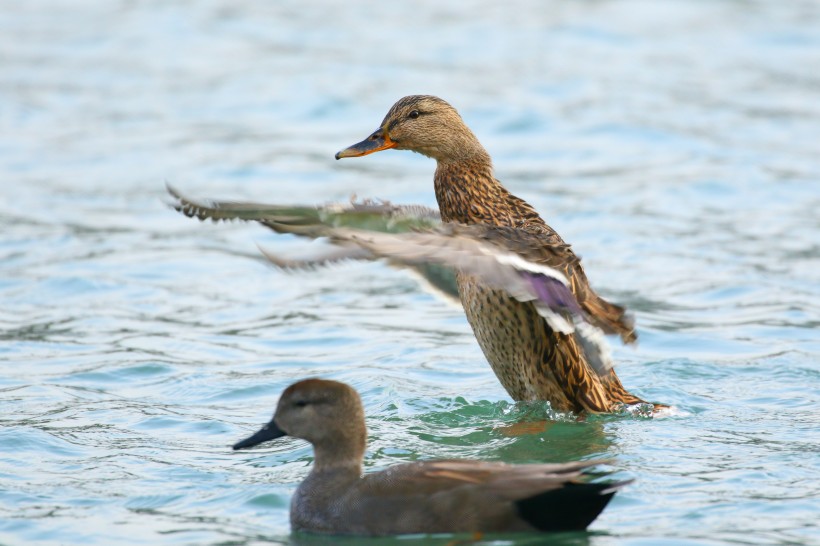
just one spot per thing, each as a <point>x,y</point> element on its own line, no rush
<point>424,124</point>
<point>328,414</point>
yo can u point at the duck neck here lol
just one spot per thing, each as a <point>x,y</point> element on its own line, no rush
<point>340,453</point>
<point>453,144</point>
<point>468,193</point>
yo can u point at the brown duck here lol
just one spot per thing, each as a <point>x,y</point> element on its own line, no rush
<point>532,359</point>
<point>443,496</point>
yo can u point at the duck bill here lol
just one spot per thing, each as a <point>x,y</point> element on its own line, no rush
<point>376,142</point>
<point>271,431</point>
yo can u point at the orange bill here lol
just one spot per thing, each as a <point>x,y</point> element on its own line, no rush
<point>376,142</point>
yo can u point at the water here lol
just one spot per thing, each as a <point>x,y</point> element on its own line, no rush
<point>673,143</point>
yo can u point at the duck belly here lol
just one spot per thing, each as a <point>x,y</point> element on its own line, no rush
<point>515,340</point>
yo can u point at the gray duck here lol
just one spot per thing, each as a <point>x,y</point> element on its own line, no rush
<point>440,496</point>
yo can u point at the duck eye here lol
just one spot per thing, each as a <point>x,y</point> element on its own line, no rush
<point>301,403</point>
<point>413,115</point>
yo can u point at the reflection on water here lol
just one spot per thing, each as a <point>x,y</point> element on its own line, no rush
<point>672,143</point>
<point>558,539</point>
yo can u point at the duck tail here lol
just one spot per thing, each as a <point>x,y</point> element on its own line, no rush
<point>571,508</point>
<point>611,318</point>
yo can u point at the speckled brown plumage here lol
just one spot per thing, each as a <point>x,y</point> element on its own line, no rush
<point>532,361</point>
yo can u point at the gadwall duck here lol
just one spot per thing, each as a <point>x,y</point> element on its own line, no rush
<point>445,496</point>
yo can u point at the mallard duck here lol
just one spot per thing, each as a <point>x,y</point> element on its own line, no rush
<point>535,358</point>
<point>444,496</point>
<point>532,359</point>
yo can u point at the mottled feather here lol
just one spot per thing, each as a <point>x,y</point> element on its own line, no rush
<point>532,359</point>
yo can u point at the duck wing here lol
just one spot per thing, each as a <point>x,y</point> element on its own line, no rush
<point>314,222</point>
<point>368,214</point>
<point>554,252</point>
<point>484,496</point>
<point>507,481</point>
<point>503,258</point>
<point>413,236</point>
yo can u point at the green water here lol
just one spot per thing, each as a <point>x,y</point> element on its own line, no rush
<point>674,144</point>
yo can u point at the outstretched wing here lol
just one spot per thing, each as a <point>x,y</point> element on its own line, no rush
<point>530,264</point>
<point>314,221</point>
<point>368,214</point>
<point>502,258</point>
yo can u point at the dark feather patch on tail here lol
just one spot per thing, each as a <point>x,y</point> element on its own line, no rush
<point>570,508</point>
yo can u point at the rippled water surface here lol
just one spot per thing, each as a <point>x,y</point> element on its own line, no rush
<point>675,144</point>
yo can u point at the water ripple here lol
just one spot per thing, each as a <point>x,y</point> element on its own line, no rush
<point>673,143</point>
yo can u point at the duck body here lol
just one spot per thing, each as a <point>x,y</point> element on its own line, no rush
<point>445,496</point>
<point>531,359</point>
<point>511,335</point>
<point>422,497</point>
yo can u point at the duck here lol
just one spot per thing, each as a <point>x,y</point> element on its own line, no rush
<point>420,497</point>
<point>539,350</point>
<point>531,358</point>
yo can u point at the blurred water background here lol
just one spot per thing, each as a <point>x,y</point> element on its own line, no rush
<point>675,144</point>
